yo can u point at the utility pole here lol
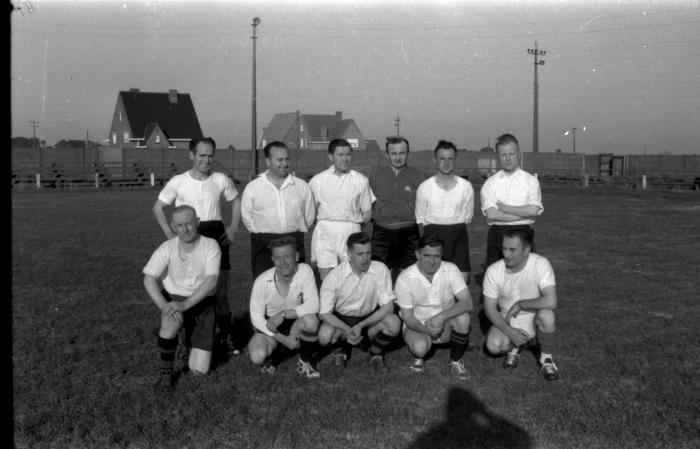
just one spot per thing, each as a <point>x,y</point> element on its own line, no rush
<point>253,137</point>
<point>396,122</point>
<point>35,125</point>
<point>535,126</point>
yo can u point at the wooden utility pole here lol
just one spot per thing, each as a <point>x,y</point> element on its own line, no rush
<point>535,125</point>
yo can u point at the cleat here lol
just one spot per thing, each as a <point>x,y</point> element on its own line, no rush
<point>228,346</point>
<point>340,360</point>
<point>165,382</point>
<point>267,367</point>
<point>511,360</point>
<point>307,370</point>
<point>418,365</point>
<point>377,362</point>
<point>458,370</point>
<point>549,370</point>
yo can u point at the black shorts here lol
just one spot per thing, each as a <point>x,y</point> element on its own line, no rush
<point>353,320</point>
<point>285,326</point>
<point>216,231</point>
<point>456,247</point>
<point>199,321</point>
<point>396,248</point>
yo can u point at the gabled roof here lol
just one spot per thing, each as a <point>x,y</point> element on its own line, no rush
<point>283,123</point>
<point>177,120</point>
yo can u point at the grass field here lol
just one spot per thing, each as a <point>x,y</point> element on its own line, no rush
<point>84,355</point>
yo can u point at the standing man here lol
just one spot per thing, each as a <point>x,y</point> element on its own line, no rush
<point>426,293</point>
<point>190,263</point>
<point>357,302</point>
<point>394,229</point>
<point>283,308</point>
<point>445,206</point>
<point>344,203</point>
<point>276,204</point>
<point>202,188</point>
<point>519,293</point>
<point>510,198</point>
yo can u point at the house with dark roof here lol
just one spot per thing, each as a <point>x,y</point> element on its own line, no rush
<point>312,131</point>
<point>154,120</point>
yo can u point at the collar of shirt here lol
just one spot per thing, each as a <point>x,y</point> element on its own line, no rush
<point>289,180</point>
<point>504,174</point>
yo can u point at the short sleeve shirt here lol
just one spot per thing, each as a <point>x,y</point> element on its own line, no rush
<point>350,294</point>
<point>341,197</point>
<point>434,205</point>
<point>508,288</point>
<point>183,275</point>
<point>203,195</point>
<point>427,299</point>
<point>519,188</point>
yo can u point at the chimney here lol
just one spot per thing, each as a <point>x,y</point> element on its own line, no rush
<point>339,115</point>
<point>133,89</point>
<point>172,95</point>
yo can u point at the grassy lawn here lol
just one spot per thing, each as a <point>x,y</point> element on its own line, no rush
<point>84,355</point>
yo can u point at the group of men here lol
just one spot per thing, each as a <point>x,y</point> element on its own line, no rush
<point>410,276</point>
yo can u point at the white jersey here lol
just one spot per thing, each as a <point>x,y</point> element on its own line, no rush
<point>203,195</point>
<point>427,299</point>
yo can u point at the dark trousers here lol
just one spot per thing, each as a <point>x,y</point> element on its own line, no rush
<point>494,242</point>
<point>396,248</point>
<point>260,254</point>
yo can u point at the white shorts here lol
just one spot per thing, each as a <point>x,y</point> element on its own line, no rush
<point>524,321</point>
<point>329,242</point>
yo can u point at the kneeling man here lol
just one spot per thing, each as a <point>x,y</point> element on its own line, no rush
<point>357,302</point>
<point>426,292</point>
<point>190,262</point>
<point>283,308</point>
<point>519,294</point>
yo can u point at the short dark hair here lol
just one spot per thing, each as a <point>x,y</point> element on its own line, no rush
<point>335,143</point>
<point>358,238</point>
<point>393,140</point>
<point>184,207</point>
<point>524,234</point>
<point>196,141</point>
<point>271,145</point>
<point>445,144</point>
<point>282,241</point>
<point>505,139</point>
<point>430,240</point>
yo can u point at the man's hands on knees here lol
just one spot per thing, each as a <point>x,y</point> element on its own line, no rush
<point>274,322</point>
<point>173,310</point>
<point>518,336</point>
<point>354,335</point>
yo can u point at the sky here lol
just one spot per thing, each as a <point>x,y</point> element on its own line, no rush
<point>627,71</point>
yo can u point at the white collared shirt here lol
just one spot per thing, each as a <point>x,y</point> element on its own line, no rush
<point>341,197</point>
<point>528,283</point>
<point>266,301</point>
<point>203,195</point>
<point>265,208</point>
<point>434,205</point>
<point>427,299</point>
<point>183,277</point>
<point>519,188</point>
<point>347,293</point>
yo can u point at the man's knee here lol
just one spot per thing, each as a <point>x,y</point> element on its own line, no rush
<point>545,319</point>
<point>309,323</point>
<point>325,334</point>
<point>497,344</point>
<point>392,325</point>
<point>257,353</point>
<point>418,345</point>
<point>460,323</point>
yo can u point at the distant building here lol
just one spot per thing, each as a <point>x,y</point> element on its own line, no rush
<point>312,131</point>
<point>154,120</point>
<point>372,145</point>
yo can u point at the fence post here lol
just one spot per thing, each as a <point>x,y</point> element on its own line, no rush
<point>38,180</point>
<point>153,179</point>
<point>97,180</point>
<point>585,179</point>
<point>644,182</point>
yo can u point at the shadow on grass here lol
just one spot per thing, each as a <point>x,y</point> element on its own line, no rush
<point>469,424</point>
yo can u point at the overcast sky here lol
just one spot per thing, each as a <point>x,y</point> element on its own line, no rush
<point>629,71</point>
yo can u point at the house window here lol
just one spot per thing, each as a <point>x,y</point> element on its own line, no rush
<point>355,143</point>
<point>302,143</point>
<point>158,138</point>
<point>114,138</point>
<point>126,137</point>
<point>301,127</point>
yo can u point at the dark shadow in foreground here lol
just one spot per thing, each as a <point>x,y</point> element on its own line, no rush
<point>469,424</point>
